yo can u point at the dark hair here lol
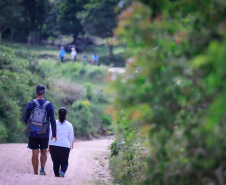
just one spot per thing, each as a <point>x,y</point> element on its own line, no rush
<point>62,114</point>
<point>40,89</point>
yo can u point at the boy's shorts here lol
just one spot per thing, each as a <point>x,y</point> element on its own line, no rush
<point>38,143</point>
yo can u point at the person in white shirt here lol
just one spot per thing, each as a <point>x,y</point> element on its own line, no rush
<point>73,54</point>
<point>60,149</point>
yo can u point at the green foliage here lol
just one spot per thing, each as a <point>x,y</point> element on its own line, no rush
<point>79,88</point>
<point>77,72</point>
<point>82,118</point>
<point>115,60</point>
<point>115,148</point>
<point>67,20</point>
<point>19,71</point>
<point>173,92</point>
<point>22,19</point>
<point>94,24</point>
<point>106,120</point>
<point>89,91</point>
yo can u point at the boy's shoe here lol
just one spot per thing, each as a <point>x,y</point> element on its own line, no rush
<point>42,173</point>
<point>62,174</point>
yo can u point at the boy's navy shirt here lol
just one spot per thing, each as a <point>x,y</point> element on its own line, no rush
<point>50,118</point>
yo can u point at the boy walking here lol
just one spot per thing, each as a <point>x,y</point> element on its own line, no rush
<point>39,113</point>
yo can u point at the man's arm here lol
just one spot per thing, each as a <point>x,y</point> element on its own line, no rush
<point>53,122</point>
<point>27,114</point>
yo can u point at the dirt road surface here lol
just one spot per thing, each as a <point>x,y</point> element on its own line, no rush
<point>88,164</point>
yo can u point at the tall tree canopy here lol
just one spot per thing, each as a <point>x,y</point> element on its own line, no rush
<point>99,18</point>
<point>10,16</point>
<point>36,11</point>
<point>67,20</point>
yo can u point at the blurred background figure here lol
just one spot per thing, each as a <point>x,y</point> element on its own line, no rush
<point>84,58</point>
<point>95,59</point>
<point>73,54</point>
<point>62,53</point>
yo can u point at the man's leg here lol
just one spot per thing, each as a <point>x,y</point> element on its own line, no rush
<point>44,142</point>
<point>43,158</point>
<point>34,160</point>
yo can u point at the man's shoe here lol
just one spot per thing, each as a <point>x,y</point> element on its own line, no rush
<point>62,174</point>
<point>42,173</point>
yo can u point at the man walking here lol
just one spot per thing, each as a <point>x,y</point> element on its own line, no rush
<point>38,114</point>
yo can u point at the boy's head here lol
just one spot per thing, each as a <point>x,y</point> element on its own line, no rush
<point>40,90</point>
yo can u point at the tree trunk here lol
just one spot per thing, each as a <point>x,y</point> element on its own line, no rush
<point>75,36</point>
<point>110,48</point>
<point>60,40</point>
<point>34,37</point>
<point>29,39</point>
<point>11,36</point>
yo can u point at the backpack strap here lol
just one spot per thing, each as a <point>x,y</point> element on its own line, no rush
<point>36,103</point>
<point>45,104</point>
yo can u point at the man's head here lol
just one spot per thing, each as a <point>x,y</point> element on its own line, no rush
<point>40,90</point>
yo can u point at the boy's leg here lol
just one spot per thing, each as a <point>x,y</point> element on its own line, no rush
<point>34,160</point>
<point>33,144</point>
<point>43,158</point>
<point>44,142</point>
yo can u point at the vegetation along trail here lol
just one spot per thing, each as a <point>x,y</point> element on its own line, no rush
<point>87,165</point>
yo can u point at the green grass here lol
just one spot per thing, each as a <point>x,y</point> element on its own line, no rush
<point>45,52</point>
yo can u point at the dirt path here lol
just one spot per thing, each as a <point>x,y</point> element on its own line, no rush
<point>88,164</point>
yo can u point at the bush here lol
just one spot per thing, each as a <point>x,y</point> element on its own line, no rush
<point>113,60</point>
<point>89,91</point>
<point>82,118</point>
<point>173,93</point>
<point>106,120</point>
<point>19,72</point>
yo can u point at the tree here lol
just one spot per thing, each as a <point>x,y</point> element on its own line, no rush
<point>36,11</point>
<point>51,29</point>
<point>9,13</point>
<point>67,20</point>
<point>99,19</point>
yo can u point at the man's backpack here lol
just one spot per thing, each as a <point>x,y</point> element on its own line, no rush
<point>37,120</point>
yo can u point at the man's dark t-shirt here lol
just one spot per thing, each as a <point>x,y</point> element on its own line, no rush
<point>50,118</point>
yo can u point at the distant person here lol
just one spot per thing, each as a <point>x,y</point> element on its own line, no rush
<point>84,57</point>
<point>60,149</point>
<point>38,114</point>
<point>73,54</point>
<point>95,59</point>
<point>62,53</point>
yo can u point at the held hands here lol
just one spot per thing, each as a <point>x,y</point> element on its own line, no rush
<point>72,146</point>
<point>55,138</point>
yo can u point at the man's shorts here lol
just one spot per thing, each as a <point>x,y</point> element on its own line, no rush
<point>38,143</point>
